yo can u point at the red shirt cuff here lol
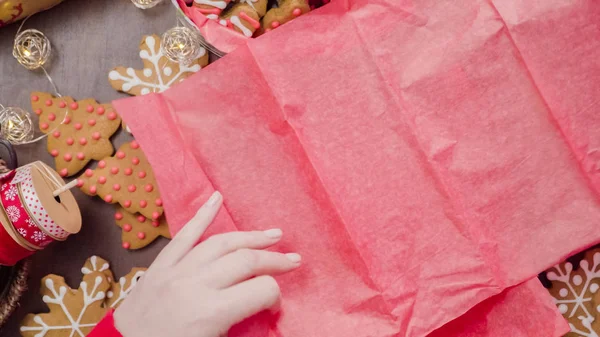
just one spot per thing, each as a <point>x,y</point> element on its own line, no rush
<point>106,327</point>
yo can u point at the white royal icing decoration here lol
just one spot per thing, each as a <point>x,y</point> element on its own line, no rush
<point>95,267</point>
<point>569,295</point>
<point>154,56</point>
<point>235,20</point>
<point>214,3</point>
<point>124,292</point>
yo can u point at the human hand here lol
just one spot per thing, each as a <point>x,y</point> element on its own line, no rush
<point>202,290</point>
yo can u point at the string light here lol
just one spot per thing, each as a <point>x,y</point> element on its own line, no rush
<point>16,125</point>
<point>32,49</point>
<point>145,4</point>
<point>182,45</point>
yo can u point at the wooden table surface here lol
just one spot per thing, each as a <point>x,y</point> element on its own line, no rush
<point>88,39</point>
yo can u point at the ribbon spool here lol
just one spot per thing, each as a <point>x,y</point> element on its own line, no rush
<point>31,216</point>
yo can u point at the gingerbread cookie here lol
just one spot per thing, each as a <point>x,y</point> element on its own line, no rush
<point>84,134</point>
<point>244,18</point>
<point>576,292</point>
<point>73,312</point>
<point>126,178</point>
<point>120,290</point>
<point>51,111</point>
<point>159,72</point>
<point>287,10</point>
<point>76,312</point>
<point>211,7</point>
<point>138,231</point>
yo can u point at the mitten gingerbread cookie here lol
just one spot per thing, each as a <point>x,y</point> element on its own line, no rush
<point>287,10</point>
<point>138,231</point>
<point>126,178</point>
<point>84,134</point>
<point>159,72</point>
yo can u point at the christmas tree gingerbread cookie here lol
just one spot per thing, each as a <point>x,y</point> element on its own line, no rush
<point>79,131</point>
<point>159,73</point>
<point>126,178</point>
<point>139,231</point>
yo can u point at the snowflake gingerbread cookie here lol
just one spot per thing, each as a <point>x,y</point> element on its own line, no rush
<point>75,312</point>
<point>158,74</point>
<point>577,294</point>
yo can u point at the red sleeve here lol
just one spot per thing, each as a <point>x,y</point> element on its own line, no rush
<point>106,327</point>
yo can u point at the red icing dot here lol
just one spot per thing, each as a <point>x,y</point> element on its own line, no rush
<point>142,174</point>
<point>128,171</point>
<point>101,179</point>
<point>158,202</point>
<point>96,135</point>
<point>118,216</point>
<point>126,245</point>
<point>120,154</point>
<point>82,141</point>
<point>134,145</point>
<point>74,105</point>
<point>275,24</point>
<point>70,141</point>
<point>77,126</point>
<point>89,108</point>
<point>51,117</point>
<point>143,203</point>
<point>93,189</point>
<point>92,122</point>
<point>155,223</point>
<point>63,172</point>
<point>127,203</point>
<point>114,170</point>
<point>131,188</point>
<point>111,116</point>
<point>100,110</point>
<point>54,152</point>
<point>148,187</point>
<point>80,156</point>
<point>102,164</point>
<point>108,198</point>
<point>126,227</point>
<point>48,102</point>
<point>89,172</point>
<point>155,215</point>
<point>35,98</point>
<point>135,160</point>
<point>56,134</point>
<point>44,126</point>
<point>67,120</point>
<point>297,12</point>
<point>141,235</point>
<point>67,157</point>
<point>141,218</point>
<point>116,187</point>
<point>79,182</point>
<point>62,104</point>
<point>38,111</point>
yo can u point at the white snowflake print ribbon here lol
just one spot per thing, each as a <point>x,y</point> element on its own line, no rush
<point>12,193</point>
<point>13,213</point>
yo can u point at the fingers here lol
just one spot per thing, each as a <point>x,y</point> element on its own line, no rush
<point>189,235</point>
<point>222,244</point>
<point>243,264</point>
<point>251,297</point>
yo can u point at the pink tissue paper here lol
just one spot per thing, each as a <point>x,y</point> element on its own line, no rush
<point>423,156</point>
